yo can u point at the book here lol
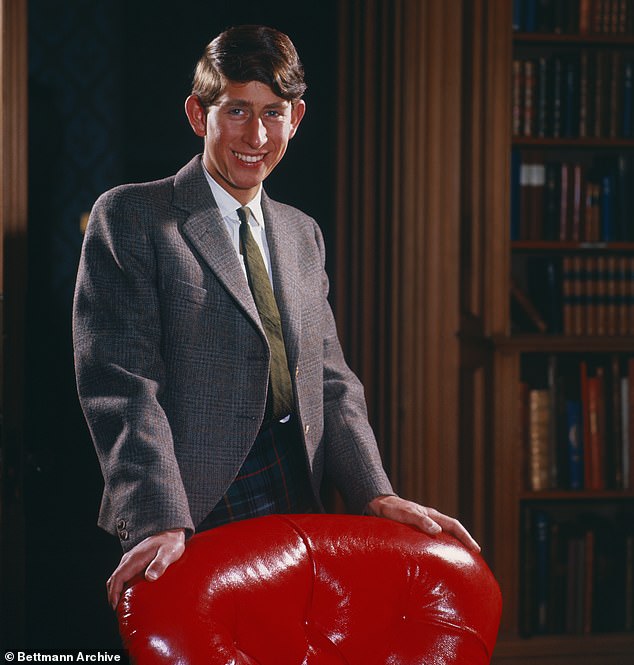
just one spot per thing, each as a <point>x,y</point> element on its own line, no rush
<point>575,444</point>
<point>630,427</point>
<point>539,424</point>
<point>594,448</point>
<point>542,570</point>
<point>626,447</point>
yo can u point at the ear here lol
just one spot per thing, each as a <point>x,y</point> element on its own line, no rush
<point>296,116</point>
<point>196,115</point>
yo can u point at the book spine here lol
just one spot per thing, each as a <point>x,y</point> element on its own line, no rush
<point>611,298</point>
<point>542,570</point>
<point>575,445</point>
<point>539,437</point>
<point>529,98</point>
<point>579,305</point>
<point>568,295</point>
<point>518,86</point>
<point>601,295</point>
<point>564,208</point>
<point>630,412</point>
<point>541,119</point>
<point>614,448</point>
<point>626,107</point>
<point>625,432</point>
<point>590,280</point>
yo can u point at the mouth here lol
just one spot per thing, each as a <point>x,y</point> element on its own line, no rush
<point>248,159</point>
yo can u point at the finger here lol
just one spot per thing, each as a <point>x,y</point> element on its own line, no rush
<point>456,529</point>
<point>413,514</point>
<point>114,588</point>
<point>165,557</point>
<point>131,564</point>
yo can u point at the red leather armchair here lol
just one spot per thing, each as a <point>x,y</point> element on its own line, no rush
<point>315,590</point>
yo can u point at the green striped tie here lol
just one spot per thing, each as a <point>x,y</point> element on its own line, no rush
<point>280,396</point>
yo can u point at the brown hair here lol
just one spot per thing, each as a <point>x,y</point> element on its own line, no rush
<point>249,53</point>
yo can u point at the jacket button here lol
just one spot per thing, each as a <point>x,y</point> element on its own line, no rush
<point>121,524</point>
<point>124,535</point>
<point>306,429</point>
<point>297,371</point>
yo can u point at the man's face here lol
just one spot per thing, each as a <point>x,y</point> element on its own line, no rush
<point>246,133</point>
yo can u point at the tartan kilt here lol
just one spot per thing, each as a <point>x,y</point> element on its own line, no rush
<point>272,480</point>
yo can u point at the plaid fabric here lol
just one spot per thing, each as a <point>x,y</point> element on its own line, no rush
<point>272,480</point>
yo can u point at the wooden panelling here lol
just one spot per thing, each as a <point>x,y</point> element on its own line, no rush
<point>397,245</point>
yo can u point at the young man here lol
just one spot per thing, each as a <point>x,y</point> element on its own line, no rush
<point>207,359</point>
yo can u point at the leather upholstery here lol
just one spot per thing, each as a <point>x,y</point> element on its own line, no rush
<point>315,590</point>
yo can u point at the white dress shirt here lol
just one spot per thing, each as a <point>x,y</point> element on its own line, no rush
<point>229,210</point>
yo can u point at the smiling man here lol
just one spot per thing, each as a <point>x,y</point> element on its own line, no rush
<point>207,359</point>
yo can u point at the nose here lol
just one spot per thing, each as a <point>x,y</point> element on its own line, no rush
<point>255,133</point>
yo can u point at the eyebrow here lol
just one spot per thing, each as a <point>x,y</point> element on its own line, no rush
<point>243,103</point>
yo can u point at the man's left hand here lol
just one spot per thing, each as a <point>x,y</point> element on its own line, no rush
<point>428,520</point>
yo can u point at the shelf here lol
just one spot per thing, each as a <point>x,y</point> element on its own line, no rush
<point>578,495</point>
<point>568,246</point>
<point>573,142</point>
<point>575,40</point>
<point>559,649</point>
<point>534,343</point>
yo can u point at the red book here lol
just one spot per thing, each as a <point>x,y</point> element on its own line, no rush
<point>594,449</point>
<point>585,7</point>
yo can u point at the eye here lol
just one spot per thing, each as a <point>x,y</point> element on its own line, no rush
<point>236,112</point>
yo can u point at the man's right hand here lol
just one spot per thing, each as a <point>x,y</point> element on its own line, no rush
<point>152,555</point>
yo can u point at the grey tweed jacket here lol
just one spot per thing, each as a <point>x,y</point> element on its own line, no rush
<point>172,362</point>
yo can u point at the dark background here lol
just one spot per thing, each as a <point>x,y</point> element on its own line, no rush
<point>107,83</point>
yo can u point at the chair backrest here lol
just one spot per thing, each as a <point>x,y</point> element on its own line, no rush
<point>315,590</point>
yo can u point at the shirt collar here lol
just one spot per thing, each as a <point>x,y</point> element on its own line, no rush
<point>228,205</point>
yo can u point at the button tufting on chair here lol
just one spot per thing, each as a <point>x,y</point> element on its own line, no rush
<point>315,590</point>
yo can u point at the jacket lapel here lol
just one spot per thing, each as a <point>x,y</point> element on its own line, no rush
<point>205,229</point>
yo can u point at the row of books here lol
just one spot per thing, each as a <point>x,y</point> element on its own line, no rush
<point>576,294</point>
<point>578,573</point>
<point>579,201</point>
<point>573,95</point>
<point>577,428</point>
<point>573,16</point>
<point>598,295</point>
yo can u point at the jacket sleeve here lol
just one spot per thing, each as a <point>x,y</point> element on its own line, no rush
<point>352,458</point>
<point>120,374</point>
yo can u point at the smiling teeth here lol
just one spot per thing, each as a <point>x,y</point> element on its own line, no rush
<point>251,159</point>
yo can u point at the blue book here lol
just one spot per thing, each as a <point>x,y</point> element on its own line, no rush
<point>574,428</point>
<point>542,570</point>
<point>518,24</point>
<point>530,15</point>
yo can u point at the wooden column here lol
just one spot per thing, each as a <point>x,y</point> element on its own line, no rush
<point>397,245</point>
<point>13,226</point>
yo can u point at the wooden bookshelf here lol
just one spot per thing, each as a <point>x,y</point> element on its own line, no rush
<point>534,628</point>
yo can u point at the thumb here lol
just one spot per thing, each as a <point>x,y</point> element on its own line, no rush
<point>165,557</point>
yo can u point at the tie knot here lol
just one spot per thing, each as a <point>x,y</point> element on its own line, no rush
<point>244,213</point>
